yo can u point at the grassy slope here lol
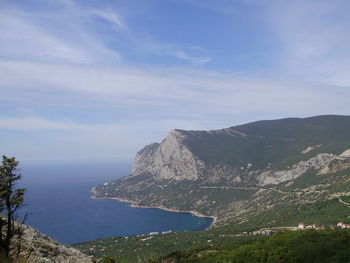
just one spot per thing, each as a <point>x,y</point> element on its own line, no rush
<point>278,142</point>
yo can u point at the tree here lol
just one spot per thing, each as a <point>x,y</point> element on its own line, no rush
<point>11,199</point>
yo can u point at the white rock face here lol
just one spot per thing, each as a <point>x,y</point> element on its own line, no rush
<point>310,148</point>
<point>275,177</point>
<point>345,154</point>
<point>170,159</point>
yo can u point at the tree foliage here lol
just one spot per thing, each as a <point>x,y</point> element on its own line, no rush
<point>290,247</point>
<point>11,200</point>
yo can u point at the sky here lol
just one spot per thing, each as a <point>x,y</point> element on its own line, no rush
<point>97,80</point>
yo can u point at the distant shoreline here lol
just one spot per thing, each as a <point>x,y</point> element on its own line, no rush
<point>134,205</point>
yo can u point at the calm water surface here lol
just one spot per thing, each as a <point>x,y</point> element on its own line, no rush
<point>58,204</point>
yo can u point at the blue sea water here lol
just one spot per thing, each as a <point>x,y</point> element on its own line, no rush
<point>59,204</point>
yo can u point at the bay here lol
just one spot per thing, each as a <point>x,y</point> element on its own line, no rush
<point>58,204</point>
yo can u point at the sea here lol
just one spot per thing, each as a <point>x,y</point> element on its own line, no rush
<point>58,204</point>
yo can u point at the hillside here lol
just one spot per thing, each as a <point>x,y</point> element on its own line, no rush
<point>239,172</point>
<point>39,248</point>
<point>299,246</point>
<point>323,213</point>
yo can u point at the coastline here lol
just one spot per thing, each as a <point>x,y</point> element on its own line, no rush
<point>135,205</point>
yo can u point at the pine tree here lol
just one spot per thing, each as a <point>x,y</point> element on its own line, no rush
<point>11,199</point>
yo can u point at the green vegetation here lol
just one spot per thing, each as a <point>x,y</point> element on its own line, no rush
<point>278,142</point>
<point>11,199</point>
<point>224,200</point>
<point>108,259</point>
<point>289,247</point>
<point>131,249</point>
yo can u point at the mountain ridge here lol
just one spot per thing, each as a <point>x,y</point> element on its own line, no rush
<point>224,173</point>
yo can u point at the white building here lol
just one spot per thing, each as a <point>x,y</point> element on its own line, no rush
<point>343,225</point>
<point>301,226</point>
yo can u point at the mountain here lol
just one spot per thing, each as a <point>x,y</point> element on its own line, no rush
<point>240,172</point>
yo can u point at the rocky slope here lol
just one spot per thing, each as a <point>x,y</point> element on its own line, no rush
<point>239,171</point>
<point>39,248</point>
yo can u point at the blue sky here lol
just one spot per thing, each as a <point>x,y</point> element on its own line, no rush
<point>96,80</point>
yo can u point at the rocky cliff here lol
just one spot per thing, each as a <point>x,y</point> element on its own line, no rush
<point>171,159</point>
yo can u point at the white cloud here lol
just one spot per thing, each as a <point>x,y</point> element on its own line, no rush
<point>110,16</point>
<point>70,33</point>
<point>30,123</point>
<point>195,60</point>
<point>227,7</point>
<point>60,36</point>
<point>172,91</point>
<point>21,39</point>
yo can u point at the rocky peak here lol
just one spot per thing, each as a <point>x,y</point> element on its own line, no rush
<point>171,159</point>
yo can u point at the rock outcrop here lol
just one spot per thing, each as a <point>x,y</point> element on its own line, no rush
<point>345,154</point>
<point>39,248</point>
<point>275,177</point>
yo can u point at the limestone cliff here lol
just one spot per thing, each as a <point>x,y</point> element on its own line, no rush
<point>171,159</point>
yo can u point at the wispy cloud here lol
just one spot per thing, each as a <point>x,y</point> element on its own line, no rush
<point>30,123</point>
<point>312,36</point>
<point>110,16</point>
<point>23,40</point>
<point>173,91</point>
<point>70,33</point>
<point>227,7</point>
<point>196,60</point>
<point>36,36</point>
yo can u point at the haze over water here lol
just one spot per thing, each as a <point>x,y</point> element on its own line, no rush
<point>59,205</point>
